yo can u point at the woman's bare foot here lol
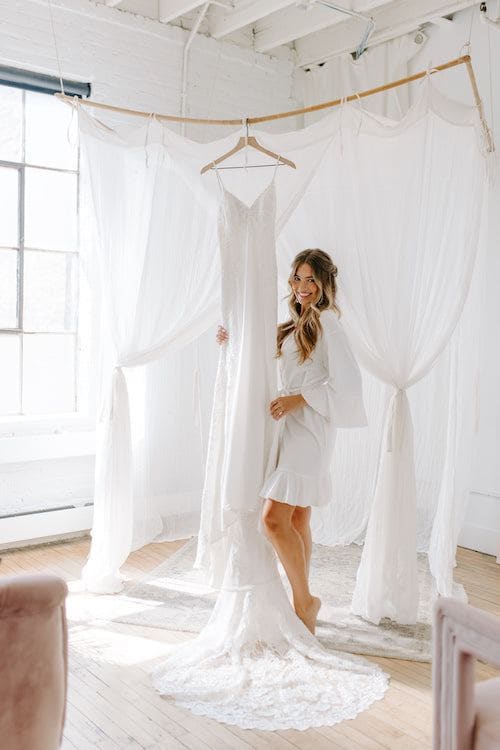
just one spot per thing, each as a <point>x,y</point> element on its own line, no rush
<point>309,614</point>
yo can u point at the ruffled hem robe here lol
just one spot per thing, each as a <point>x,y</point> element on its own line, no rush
<point>330,382</point>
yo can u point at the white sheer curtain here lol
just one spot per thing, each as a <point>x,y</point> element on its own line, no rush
<point>413,283</point>
<point>150,226</point>
<point>406,252</point>
<point>397,205</point>
<point>158,263</point>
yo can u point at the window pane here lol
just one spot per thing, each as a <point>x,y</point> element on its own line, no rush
<point>48,373</point>
<point>11,123</point>
<point>9,374</point>
<point>50,214</point>
<point>9,202</point>
<point>50,291</point>
<point>50,132</point>
<point>8,289</point>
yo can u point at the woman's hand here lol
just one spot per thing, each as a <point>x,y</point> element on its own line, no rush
<point>222,335</point>
<point>285,404</point>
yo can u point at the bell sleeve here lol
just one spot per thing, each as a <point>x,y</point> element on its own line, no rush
<point>339,398</point>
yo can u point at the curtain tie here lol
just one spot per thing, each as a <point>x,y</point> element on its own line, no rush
<point>108,404</point>
<point>396,405</point>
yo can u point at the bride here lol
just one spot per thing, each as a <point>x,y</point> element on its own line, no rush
<point>321,391</point>
<point>257,663</point>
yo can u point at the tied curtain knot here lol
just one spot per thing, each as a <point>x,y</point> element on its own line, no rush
<point>397,415</point>
<point>117,389</point>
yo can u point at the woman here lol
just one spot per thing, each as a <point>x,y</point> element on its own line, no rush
<point>321,390</point>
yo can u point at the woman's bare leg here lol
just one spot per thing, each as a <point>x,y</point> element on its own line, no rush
<point>288,543</point>
<point>301,518</point>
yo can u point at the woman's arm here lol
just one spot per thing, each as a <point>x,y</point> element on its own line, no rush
<point>340,397</point>
<point>285,404</point>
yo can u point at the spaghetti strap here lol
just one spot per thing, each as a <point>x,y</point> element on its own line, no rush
<point>278,160</point>
<point>221,185</point>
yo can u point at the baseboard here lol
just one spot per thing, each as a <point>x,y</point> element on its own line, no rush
<point>37,528</point>
<point>480,539</point>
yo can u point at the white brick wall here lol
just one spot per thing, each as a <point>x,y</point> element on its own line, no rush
<point>137,62</point>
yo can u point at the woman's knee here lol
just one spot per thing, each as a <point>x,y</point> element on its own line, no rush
<point>273,517</point>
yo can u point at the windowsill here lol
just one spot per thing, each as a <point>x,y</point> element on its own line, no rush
<point>45,424</point>
<point>46,438</point>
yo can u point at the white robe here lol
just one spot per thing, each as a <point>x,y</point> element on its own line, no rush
<point>330,382</point>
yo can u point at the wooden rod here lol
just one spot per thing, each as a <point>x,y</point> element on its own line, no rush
<point>267,118</point>
<point>362,94</point>
<point>465,59</point>
<point>123,110</point>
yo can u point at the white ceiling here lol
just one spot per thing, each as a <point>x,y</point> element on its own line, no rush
<point>316,33</point>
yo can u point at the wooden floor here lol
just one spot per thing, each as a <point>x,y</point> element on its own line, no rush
<point>112,706</point>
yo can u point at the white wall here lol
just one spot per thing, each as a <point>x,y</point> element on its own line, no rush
<point>135,62</point>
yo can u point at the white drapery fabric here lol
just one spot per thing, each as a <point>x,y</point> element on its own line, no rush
<point>136,194</point>
<point>371,192</point>
<point>406,275</point>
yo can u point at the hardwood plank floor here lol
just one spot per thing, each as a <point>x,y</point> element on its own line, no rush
<point>112,706</point>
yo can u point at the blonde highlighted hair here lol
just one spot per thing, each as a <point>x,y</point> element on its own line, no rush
<point>306,325</point>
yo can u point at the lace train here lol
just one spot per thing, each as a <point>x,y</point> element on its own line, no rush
<point>255,664</point>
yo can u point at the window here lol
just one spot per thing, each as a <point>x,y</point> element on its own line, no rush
<point>39,269</point>
<point>47,434</point>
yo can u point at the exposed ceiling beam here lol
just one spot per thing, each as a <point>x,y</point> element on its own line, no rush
<point>290,24</point>
<point>112,3</point>
<point>363,6</point>
<point>224,22</point>
<point>169,10</point>
<point>391,20</point>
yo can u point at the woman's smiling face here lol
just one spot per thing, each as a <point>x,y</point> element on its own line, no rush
<point>303,284</point>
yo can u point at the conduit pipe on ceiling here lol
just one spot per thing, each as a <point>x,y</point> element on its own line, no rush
<point>185,54</point>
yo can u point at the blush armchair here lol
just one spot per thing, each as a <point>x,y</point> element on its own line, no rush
<point>33,662</point>
<point>466,714</point>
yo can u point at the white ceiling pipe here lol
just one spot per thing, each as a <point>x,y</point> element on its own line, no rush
<point>392,19</point>
<point>192,34</point>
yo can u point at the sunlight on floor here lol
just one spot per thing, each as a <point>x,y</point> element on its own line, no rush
<point>112,645</point>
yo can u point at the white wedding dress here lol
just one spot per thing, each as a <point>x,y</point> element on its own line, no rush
<point>254,664</point>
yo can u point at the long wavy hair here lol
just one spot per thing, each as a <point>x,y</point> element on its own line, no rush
<point>305,323</point>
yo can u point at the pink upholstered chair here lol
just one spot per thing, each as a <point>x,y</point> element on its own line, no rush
<point>466,715</point>
<point>33,662</point>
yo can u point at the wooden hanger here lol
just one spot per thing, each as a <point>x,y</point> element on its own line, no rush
<point>243,142</point>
